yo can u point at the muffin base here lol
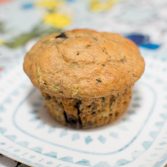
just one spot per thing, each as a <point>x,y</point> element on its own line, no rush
<point>89,112</point>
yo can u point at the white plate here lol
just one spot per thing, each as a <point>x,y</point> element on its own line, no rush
<point>28,134</point>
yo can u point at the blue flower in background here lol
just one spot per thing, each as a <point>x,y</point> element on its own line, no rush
<point>138,38</point>
<point>143,41</point>
<point>28,5</point>
<point>71,0</point>
<point>150,46</point>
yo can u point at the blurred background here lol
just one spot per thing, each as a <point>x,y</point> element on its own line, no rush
<point>23,22</point>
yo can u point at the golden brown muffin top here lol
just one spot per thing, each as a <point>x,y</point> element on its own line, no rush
<point>83,63</point>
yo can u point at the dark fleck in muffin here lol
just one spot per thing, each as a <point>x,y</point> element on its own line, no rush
<point>85,76</point>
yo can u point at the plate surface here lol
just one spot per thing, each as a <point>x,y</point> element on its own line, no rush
<point>30,135</point>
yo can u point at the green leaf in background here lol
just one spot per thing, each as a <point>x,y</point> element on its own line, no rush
<point>2,27</point>
<point>38,31</point>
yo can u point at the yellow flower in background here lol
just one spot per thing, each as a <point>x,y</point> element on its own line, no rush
<point>2,41</point>
<point>49,4</point>
<point>101,5</point>
<point>57,20</point>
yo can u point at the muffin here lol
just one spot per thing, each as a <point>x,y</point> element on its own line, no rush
<point>86,77</point>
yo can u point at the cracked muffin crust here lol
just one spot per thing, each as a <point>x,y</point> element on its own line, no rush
<point>85,76</point>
